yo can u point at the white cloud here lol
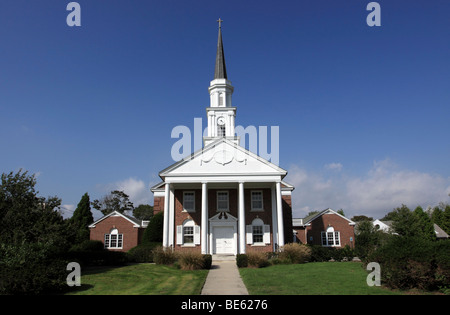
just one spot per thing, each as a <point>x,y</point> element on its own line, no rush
<point>334,166</point>
<point>67,210</point>
<point>384,187</point>
<point>136,189</point>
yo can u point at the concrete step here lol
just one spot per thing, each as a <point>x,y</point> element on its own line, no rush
<point>223,257</point>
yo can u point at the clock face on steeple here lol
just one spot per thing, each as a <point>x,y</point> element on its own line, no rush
<point>221,120</point>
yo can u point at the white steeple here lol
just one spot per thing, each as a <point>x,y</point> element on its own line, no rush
<point>220,114</point>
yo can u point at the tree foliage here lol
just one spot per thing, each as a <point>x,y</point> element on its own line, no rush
<point>115,201</point>
<point>143,212</point>
<point>81,219</point>
<point>33,238</point>
<point>154,230</point>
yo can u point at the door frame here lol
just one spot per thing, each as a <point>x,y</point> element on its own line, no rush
<point>221,220</point>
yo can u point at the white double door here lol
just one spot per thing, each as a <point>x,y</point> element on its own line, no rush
<point>224,241</point>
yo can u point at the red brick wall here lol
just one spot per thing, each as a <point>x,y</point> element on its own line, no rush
<point>265,215</point>
<point>287,219</point>
<point>131,235</point>
<point>321,224</point>
<point>181,216</point>
<point>158,205</point>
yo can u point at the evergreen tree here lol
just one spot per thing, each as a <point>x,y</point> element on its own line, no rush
<point>404,222</point>
<point>446,219</point>
<point>425,226</point>
<point>154,230</point>
<point>81,219</point>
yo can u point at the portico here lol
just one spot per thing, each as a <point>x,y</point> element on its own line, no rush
<point>223,215</point>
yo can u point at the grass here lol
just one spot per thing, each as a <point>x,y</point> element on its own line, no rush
<point>311,278</point>
<point>143,279</point>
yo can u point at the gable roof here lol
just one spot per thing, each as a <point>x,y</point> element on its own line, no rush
<point>307,220</point>
<point>134,221</point>
<point>222,157</point>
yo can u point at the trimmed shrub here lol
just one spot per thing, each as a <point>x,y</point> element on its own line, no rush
<point>163,256</point>
<point>257,259</point>
<point>295,253</point>
<point>88,245</point>
<point>242,260</point>
<point>207,261</point>
<point>191,260</point>
<point>142,253</point>
<point>320,253</point>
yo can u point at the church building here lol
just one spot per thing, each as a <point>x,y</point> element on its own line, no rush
<point>224,199</point>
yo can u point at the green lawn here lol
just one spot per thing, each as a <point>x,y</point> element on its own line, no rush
<point>141,279</point>
<point>310,278</point>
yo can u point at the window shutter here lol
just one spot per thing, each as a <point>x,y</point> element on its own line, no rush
<point>249,234</point>
<point>197,235</point>
<point>179,235</point>
<point>266,237</point>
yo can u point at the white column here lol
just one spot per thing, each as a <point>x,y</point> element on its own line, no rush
<point>241,219</point>
<point>166,215</point>
<point>204,227</point>
<point>232,126</point>
<point>274,217</point>
<point>280,215</point>
<point>171,216</point>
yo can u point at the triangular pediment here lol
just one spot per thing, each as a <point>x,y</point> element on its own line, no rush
<point>223,157</point>
<point>223,216</point>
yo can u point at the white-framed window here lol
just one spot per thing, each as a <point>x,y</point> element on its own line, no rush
<point>189,201</point>
<point>222,201</point>
<point>220,99</point>
<point>258,233</point>
<point>257,200</point>
<point>114,239</point>
<point>330,237</point>
<point>188,234</point>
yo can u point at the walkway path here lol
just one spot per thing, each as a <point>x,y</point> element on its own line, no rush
<point>224,278</point>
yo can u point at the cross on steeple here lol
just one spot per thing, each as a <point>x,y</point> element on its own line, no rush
<point>220,71</point>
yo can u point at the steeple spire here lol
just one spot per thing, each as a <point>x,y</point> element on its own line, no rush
<point>220,70</point>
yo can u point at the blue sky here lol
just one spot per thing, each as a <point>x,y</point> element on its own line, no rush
<point>363,111</point>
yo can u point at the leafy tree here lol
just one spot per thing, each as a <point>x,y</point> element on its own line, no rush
<point>310,213</point>
<point>405,223</point>
<point>368,238</point>
<point>425,226</point>
<point>25,217</point>
<point>154,230</point>
<point>143,212</point>
<point>359,218</point>
<point>341,212</point>
<point>116,201</point>
<point>33,238</point>
<point>441,216</point>
<point>81,219</point>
